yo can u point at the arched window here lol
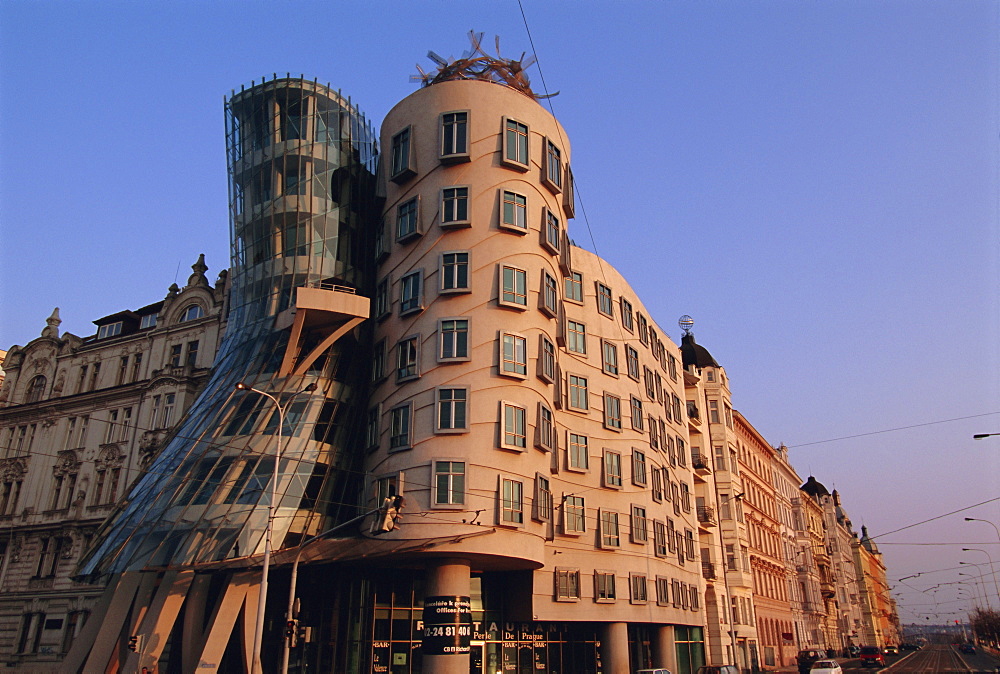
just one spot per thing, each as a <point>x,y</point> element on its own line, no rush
<point>191,313</point>
<point>36,389</point>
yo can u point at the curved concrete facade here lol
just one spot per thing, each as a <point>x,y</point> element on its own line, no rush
<point>504,353</point>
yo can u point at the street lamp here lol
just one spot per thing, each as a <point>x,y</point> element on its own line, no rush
<point>258,634</point>
<point>993,572</point>
<point>975,586</point>
<point>980,436</point>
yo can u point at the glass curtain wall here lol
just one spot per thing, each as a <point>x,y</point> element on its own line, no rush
<point>302,163</point>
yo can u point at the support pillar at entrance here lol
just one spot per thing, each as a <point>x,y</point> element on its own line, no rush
<point>614,649</point>
<point>665,648</point>
<point>447,577</point>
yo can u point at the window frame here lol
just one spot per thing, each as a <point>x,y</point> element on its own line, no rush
<point>404,165</point>
<point>566,584</point>
<point>456,495</point>
<point>460,150</point>
<point>635,582</point>
<point>552,166</point>
<point>632,359</point>
<point>605,300</point>
<point>611,470</point>
<point>609,529</point>
<point>456,358</point>
<point>410,209</point>
<point>542,506</point>
<point>515,509</point>
<point>640,468</point>
<point>551,231</point>
<point>451,272</point>
<point>439,403</point>
<point>576,338</point>
<point>547,361</point>
<point>638,524</point>
<point>519,411</point>
<point>575,460</point>
<point>415,302</point>
<point>628,319</point>
<point>518,208</point>
<point>545,428</point>
<point>575,281</point>
<point>548,295</point>
<point>401,426</point>
<point>382,304</point>
<point>609,357</point>
<point>506,159</point>
<point>585,398</point>
<point>612,412</point>
<point>637,413</point>
<point>415,340</point>
<point>518,274</point>
<point>574,512</point>
<point>605,592</point>
<point>518,360</point>
<point>453,198</point>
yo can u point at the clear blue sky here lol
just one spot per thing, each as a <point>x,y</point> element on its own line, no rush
<point>815,183</point>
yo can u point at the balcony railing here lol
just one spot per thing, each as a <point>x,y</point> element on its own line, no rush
<point>693,413</point>
<point>700,461</point>
<point>706,514</point>
<point>708,570</point>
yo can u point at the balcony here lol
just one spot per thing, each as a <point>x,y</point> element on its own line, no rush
<point>706,515</point>
<point>693,415</point>
<point>700,463</point>
<point>708,570</point>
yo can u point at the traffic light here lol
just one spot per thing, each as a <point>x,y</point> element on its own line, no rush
<point>292,632</point>
<point>135,643</point>
<point>388,516</point>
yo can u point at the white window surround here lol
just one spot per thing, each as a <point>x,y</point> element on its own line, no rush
<point>454,270</point>
<point>452,407</point>
<point>512,355</point>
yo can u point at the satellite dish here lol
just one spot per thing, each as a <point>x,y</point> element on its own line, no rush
<point>686,323</point>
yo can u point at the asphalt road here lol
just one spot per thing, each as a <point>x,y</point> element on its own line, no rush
<point>934,658</point>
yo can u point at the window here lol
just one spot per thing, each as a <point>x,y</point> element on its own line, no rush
<point>511,501</point>
<point>543,499</point>
<point>513,287</point>
<point>672,366</point>
<point>382,298</point>
<point>612,469</point>
<point>685,497</point>
<point>647,375</point>
<point>638,525</point>
<point>713,411</point>
<point>407,220</point>
<point>574,287</point>
<point>449,483</point>
<point>552,176</point>
<point>167,415</point>
<point>551,232</point>
<point>627,319</point>
<point>514,429</point>
<point>402,165</point>
<point>513,355</point>
<point>36,387</point>
<point>191,313</point>
<point>381,245</point>
<point>410,293</point>
<point>111,330</point>
<point>643,329</point>
<point>659,539</point>
<point>147,321</point>
<point>515,144</point>
<point>637,417</point>
<point>567,583</point>
<point>662,591</point>
<point>455,136</point>
<point>407,352</point>
<point>689,544</point>
<point>454,339</point>
<point>452,404</point>
<point>637,584</point>
<point>720,458</point>
<point>514,211</point>
<point>638,467</point>
<point>549,294</point>
<point>604,586</point>
<point>609,354</point>
<point>605,304</point>
<point>632,361</point>
<point>578,392</point>
<point>293,181</point>
<point>546,428</point>
<point>546,359</point>
<point>576,337</point>
<point>681,452</point>
<point>729,415</point>
<point>378,361</point>
<point>574,515</point>
<point>455,207</point>
<point>654,433</point>
<point>192,354</point>
<point>454,272</point>
<point>136,367</point>
<point>175,355</point>
<point>657,487</point>
<point>610,536</point>
<point>612,412</point>
<point>373,427</point>
<point>399,427</point>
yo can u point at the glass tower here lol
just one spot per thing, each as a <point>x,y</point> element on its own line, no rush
<point>302,162</point>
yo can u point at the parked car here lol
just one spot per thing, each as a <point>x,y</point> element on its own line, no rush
<point>909,647</point>
<point>853,651</point>
<point>719,669</point>
<point>891,650</point>
<point>871,656</point>
<point>661,670</point>
<point>967,648</point>
<point>805,659</point>
<point>826,667</point>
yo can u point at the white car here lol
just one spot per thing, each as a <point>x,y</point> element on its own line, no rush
<point>826,667</point>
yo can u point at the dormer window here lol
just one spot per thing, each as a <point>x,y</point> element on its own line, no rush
<point>191,313</point>
<point>147,321</point>
<point>110,330</point>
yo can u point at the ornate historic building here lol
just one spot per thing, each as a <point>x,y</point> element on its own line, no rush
<point>80,419</point>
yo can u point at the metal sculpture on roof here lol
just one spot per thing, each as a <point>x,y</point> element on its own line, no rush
<point>476,64</point>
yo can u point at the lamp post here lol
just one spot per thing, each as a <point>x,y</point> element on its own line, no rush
<point>980,436</point>
<point>258,634</point>
<point>975,585</point>
<point>993,572</point>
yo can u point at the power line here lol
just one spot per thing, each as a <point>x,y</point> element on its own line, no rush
<point>892,430</point>
<point>953,512</point>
